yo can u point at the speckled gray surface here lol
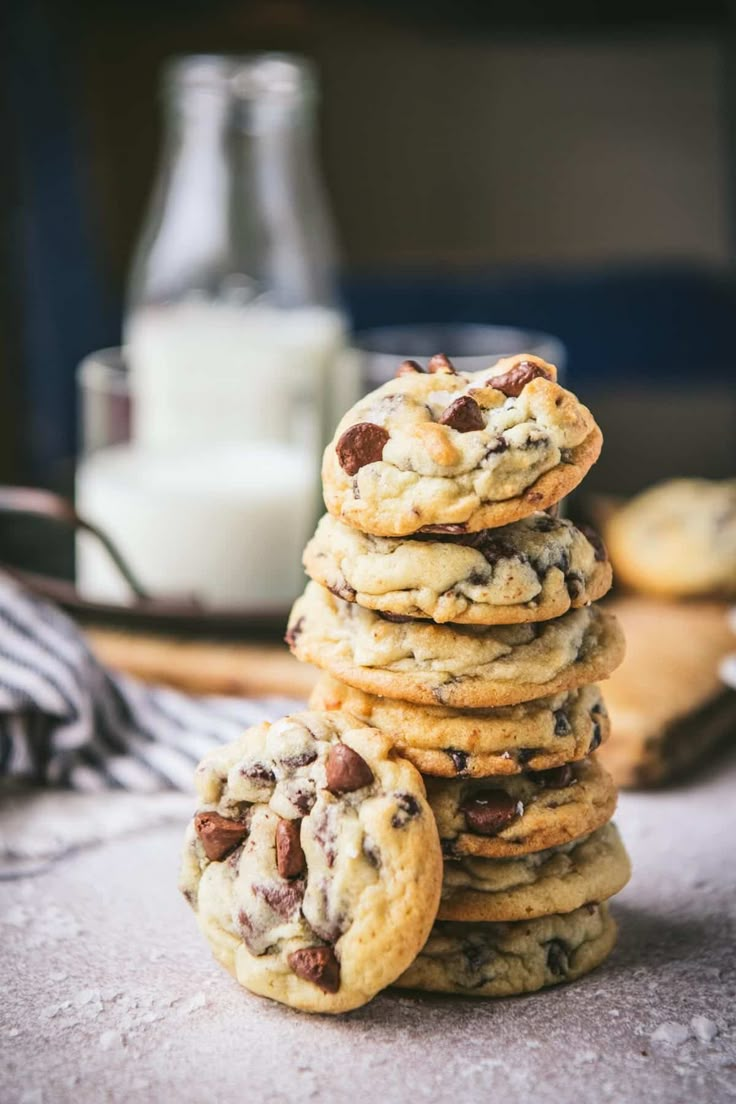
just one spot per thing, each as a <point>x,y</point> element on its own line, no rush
<point>110,995</point>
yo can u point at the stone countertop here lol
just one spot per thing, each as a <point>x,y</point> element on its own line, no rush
<point>109,993</point>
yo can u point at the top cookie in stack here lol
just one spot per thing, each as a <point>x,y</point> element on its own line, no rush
<point>453,613</point>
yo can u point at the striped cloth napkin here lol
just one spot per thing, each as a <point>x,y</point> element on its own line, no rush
<point>67,721</point>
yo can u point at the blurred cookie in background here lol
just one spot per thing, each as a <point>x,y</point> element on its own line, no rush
<point>667,704</point>
<point>676,539</point>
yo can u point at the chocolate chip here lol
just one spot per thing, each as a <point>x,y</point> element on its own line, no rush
<point>489,811</point>
<point>293,762</point>
<point>557,960</point>
<point>463,415</point>
<point>290,859</point>
<point>545,523</point>
<point>450,530</point>
<point>408,368</point>
<point>407,809</point>
<point>513,382</point>
<point>562,723</point>
<point>499,445</point>
<point>359,445</point>
<point>294,632</point>
<point>346,770</point>
<point>342,590</point>
<point>219,835</point>
<point>459,759</point>
<point>285,900</point>
<point>318,965</point>
<point>372,852</point>
<point>259,772</point>
<point>323,835</point>
<point>395,618</point>
<point>564,561</point>
<point>575,585</point>
<point>441,363</point>
<point>523,755</point>
<point>557,778</point>
<point>475,954</point>
<point>302,798</point>
<point>594,538</point>
<point>566,456</point>
<point>494,548</point>
<point>597,737</point>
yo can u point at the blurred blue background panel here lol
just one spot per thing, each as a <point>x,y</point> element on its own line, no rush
<point>619,324</point>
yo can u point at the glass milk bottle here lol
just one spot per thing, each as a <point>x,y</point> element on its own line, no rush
<point>233,339</point>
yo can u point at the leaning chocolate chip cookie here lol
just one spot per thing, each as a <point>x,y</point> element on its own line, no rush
<point>678,539</point>
<point>535,735</point>
<point>535,569</point>
<point>509,816</point>
<point>560,879</point>
<point>501,960</point>
<point>464,666</point>
<point>456,450</point>
<point>313,862</point>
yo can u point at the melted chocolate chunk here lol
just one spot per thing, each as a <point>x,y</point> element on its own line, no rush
<point>342,590</point>
<point>499,445</point>
<point>407,808</point>
<point>302,798</point>
<point>409,368</point>
<point>441,363</point>
<point>294,632</point>
<point>318,965</point>
<point>459,759</point>
<point>290,860</point>
<point>396,618</point>
<point>564,562</point>
<point>545,523</point>
<point>494,548</point>
<point>597,737</point>
<point>566,456</point>
<point>324,836</point>
<point>259,772</point>
<point>346,770</point>
<point>594,538</point>
<point>372,852</point>
<point>361,444</point>
<point>450,530</point>
<point>557,778</point>
<point>513,382</point>
<point>463,415</point>
<point>562,723</point>
<point>285,900</point>
<point>219,836</point>
<point>557,959</point>
<point>475,954</point>
<point>293,762</point>
<point>488,812</point>
<point>574,584</point>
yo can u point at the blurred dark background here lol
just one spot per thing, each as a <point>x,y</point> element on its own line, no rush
<point>566,167</point>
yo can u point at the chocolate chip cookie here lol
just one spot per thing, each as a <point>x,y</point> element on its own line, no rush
<point>502,817</point>
<point>463,666</point>
<point>535,735</point>
<point>466,450</point>
<point>501,960</point>
<point>559,879</point>
<point>313,861</point>
<point>535,569</point>
<point>677,539</point>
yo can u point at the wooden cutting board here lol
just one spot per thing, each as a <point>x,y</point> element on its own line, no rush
<point>205,667</point>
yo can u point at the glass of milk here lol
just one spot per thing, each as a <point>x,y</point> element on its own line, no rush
<point>234,348</point>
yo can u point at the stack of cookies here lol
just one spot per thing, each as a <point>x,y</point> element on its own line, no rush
<point>452,610</point>
<point>438,820</point>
